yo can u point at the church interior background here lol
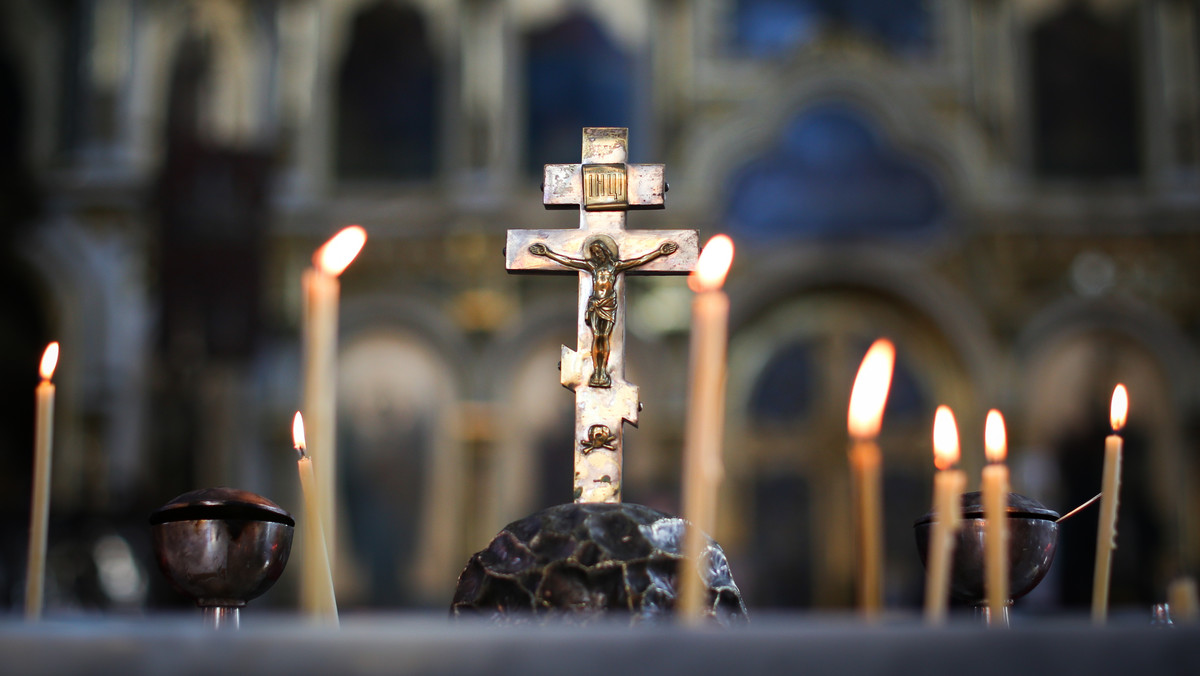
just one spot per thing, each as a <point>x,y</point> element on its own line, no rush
<point>1009,189</point>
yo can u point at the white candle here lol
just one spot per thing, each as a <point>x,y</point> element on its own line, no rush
<point>35,571</point>
<point>995,490</point>
<point>1106,535</point>
<point>702,464</point>
<point>316,584</point>
<point>948,485</point>
<point>321,292</point>
<point>867,401</point>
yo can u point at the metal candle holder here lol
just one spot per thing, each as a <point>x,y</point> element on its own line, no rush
<point>221,547</point>
<point>1032,540</point>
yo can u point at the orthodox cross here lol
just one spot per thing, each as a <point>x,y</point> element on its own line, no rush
<point>602,251</point>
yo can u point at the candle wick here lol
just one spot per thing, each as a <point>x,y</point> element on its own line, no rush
<point>1079,509</point>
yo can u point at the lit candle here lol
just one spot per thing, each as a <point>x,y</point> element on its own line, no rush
<point>702,465</point>
<point>35,571</point>
<point>948,485</point>
<point>995,514</point>
<point>317,595</point>
<point>867,400</point>
<point>321,290</point>
<point>1106,536</point>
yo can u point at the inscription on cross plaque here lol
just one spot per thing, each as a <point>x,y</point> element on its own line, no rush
<point>602,251</point>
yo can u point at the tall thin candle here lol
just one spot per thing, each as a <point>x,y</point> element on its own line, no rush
<point>321,294</point>
<point>1106,536</point>
<point>702,464</point>
<point>867,401</point>
<point>948,485</point>
<point>995,513</point>
<point>35,571</point>
<point>316,577</point>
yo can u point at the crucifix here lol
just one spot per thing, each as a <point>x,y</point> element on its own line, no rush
<point>602,251</point>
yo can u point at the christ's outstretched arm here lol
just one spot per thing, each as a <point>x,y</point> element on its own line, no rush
<point>664,249</point>
<point>565,261</point>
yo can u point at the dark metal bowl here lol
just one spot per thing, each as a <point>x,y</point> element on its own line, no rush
<point>222,546</point>
<point>1032,540</point>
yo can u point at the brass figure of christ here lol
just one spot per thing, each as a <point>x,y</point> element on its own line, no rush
<point>603,263</point>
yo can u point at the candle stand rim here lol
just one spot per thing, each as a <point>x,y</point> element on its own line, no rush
<point>1019,507</point>
<point>221,503</point>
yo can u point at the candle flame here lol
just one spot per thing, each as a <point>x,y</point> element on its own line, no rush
<point>49,361</point>
<point>1120,407</point>
<point>298,433</point>
<point>945,439</point>
<point>713,265</point>
<point>341,249</point>
<point>995,440</point>
<point>870,391</point>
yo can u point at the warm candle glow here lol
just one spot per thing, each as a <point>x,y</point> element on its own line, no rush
<point>43,433</point>
<point>341,249</point>
<point>1110,489</point>
<point>945,439</point>
<point>1120,407</point>
<point>994,438</point>
<point>713,265</point>
<point>49,360</point>
<point>298,433</point>
<point>870,392</point>
<point>316,581</point>
<point>948,485</point>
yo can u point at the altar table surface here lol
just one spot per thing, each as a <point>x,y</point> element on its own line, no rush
<point>811,644</point>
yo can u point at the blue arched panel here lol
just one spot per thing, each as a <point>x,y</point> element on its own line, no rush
<point>833,176</point>
<point>767,28</point>
<point>576,77</point>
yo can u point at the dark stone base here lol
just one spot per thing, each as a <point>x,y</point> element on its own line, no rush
<point>579,562</point>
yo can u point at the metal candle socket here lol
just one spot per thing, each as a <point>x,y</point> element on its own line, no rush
<point>1032,539</point>
<point>221,547</point>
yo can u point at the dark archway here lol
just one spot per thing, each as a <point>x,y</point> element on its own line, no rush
<point>386,97</point>
<point>1085,95</point>
<point>24,330</point>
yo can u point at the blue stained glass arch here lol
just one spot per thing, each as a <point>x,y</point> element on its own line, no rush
<point>783,394</point>
<point>768,28</point>
<point>832,176</point>
<point>576,77</point>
